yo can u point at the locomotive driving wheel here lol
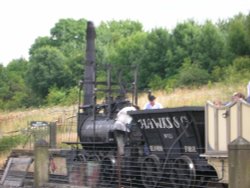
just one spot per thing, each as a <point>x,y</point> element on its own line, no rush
<point>108,168</point>
<point>92,157</point>
<point>183,172</point>
<point>79,158</point>
<point>150,171</point>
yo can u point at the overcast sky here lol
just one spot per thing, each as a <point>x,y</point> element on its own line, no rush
<point>22,21</point>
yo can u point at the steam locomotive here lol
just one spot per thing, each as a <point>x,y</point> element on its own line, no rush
<point>144,148</point>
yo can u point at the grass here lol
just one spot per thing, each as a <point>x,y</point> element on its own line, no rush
<point>194,96</point>
<point>19,120</point>
<point>8,142</point>
<point>14,122</point>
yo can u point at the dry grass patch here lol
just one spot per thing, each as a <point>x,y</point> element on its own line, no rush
<point>193,96</point>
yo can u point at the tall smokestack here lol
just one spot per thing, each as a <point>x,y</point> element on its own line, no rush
<point>90,66</point>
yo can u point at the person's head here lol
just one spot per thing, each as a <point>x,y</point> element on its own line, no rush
<point>151,99</point>
<point>237,96</point>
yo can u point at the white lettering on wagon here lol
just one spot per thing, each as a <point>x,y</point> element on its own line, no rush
<point>155,148</point>
<point>190,149</point>
<point>168,136</point>
<point>164,122</point>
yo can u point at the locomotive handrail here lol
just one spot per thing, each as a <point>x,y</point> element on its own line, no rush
<point>224,124</point>
<point>177,109</point>
<point>85,106</point>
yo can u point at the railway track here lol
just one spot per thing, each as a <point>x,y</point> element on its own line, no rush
<point>53,178</point>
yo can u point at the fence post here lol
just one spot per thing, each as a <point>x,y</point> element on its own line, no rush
<point>239,163</point>
<point>52,135</point>
<point>41,163</point>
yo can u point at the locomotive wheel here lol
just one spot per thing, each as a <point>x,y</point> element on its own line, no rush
<point>108,168</point>
<point>183,172</point>
<point>150,171</point>
<point>80,158</point>
<point>93,157</point>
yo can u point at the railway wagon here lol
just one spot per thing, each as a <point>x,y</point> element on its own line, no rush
<point>173,140</point>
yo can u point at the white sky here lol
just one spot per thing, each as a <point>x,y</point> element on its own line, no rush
<point>22,21</point>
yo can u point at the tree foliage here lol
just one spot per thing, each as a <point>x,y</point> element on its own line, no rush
<point>46,69</point>
<point>239,71</point>
<point>190,74</point>
<point>190,54</point>
<point>14,92</point>
<point>237,36</point>
<point>154,60</point>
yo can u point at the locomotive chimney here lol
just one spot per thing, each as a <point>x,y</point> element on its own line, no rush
<point>90,66</point>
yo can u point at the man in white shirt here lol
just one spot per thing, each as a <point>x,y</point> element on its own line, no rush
<point>152,104</point>
<point>120,127</point>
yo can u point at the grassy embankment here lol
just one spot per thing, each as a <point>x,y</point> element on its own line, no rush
<point>18,120</point>
<point>15,131</point>
<point>195,96</point>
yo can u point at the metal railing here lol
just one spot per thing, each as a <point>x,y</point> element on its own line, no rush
<point>225,124</point>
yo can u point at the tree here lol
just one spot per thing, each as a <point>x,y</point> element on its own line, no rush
<point>113,31</point>
<point>128,53</point>
<point>211,46</point>
<point>110,33</point>
<point>119,43</point>
<point>69,37</point>
<point>40,42</point>
<point>154,60</point>
<point>184,44</point>
<point>13,91</point>
<point>47,68</point>
<point>238,37</point>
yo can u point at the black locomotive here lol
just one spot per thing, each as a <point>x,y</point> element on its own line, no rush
<point>160,148</point>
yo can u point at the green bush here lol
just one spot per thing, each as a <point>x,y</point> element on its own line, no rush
<point>72,96</point>
<point>239,71</point>
<point>55,96</point>
<point>9,142</point>
<point>170,84</point>
<point>62,97</point>
<point>190,74</point>
<point>218,74</point>
<point>157,82</point>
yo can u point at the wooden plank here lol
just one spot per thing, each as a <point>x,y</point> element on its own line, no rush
<point>16,171</point>
<point>6,171</point>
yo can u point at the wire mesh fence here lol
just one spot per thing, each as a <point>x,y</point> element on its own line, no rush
<point>104,167</point>
<point>22,131</point>
<point>101,166</point>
